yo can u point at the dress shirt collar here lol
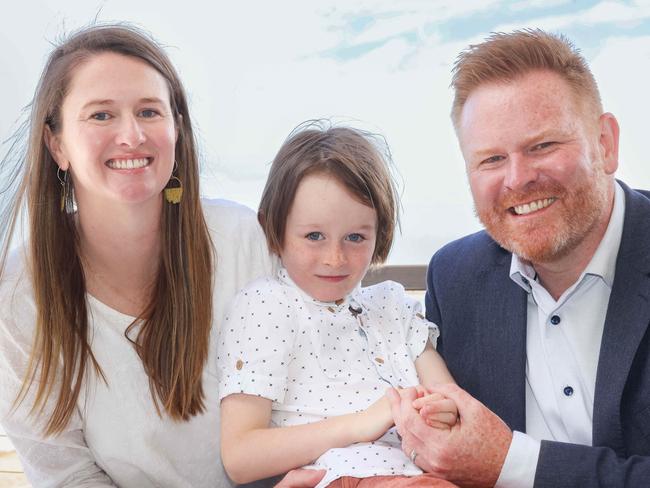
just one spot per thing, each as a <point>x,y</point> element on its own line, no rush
<point>603,262</point>
<point>352,299</point>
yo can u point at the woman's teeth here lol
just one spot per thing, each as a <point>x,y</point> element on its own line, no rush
<point>128,163</point>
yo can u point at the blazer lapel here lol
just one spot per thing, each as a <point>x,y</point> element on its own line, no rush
<point>502,339</point>
<point>628,316</point>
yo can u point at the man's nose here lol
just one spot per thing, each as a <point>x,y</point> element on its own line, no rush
<point>520,171</point>
<point>130,132</point>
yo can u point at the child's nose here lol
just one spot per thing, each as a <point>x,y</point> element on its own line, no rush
<point>335,256</point>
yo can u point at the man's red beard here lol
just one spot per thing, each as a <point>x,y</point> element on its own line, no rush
<point>546,238</point>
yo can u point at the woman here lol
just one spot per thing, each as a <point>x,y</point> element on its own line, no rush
<point>106,352</point>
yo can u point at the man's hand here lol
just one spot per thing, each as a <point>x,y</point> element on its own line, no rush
<point>301,478</point>
<point>470,454</point>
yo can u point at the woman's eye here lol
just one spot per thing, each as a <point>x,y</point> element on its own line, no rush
<point>148,113</point>
<point>314,236</point>
<point>355,238</point>
<point>101,116</point>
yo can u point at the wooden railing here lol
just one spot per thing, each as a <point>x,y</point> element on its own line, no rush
<point>11,472</point>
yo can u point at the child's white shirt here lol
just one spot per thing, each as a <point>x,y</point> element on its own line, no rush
<point>316,360</point>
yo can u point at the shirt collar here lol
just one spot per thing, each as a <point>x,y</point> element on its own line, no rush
<point>603,262</point>
<point>352,299</point>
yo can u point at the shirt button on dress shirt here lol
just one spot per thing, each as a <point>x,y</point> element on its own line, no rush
<point>555,319</point>
<point>568,391</point>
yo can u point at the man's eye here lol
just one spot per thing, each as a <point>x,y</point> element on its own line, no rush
<point>100,116</point>
<point>314,236</point>
<point>542,145</point>
<point>492,160</point>
<point>355,238</point>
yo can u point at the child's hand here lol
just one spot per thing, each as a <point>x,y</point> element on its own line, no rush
<point>374,421</point>
<point>436,410</point>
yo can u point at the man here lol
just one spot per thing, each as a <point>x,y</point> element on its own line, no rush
<point>544,315</point>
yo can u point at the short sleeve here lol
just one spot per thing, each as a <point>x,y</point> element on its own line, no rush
<point>416,328</point>
<point>256,341</point>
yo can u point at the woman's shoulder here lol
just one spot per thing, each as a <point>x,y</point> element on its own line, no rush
<point>225,215</point>
<point>15,281</point>
<point>17,308</point>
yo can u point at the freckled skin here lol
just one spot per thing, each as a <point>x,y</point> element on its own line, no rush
<point>525,141</point>
<point>331,266</point>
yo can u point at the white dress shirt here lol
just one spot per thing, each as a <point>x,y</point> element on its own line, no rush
<point>562,347</point>
<point>316,360</point>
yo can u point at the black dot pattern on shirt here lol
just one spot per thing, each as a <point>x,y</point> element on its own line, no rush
<point>318,363</point>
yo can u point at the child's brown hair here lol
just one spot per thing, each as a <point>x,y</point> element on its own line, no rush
<point>352,157</point>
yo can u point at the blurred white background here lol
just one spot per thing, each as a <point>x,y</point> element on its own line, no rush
<point>256,69</point>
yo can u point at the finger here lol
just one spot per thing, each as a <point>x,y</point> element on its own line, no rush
<point>301,478</point>
<point>449,419</point>
<point>466,404</point>
<point>440,406</point>
<point>422,391</point>
<point>410,393</point>
<point>434,424</point>
<point>432,397</point>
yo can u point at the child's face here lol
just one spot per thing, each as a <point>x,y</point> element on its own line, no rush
<point>329,238</point>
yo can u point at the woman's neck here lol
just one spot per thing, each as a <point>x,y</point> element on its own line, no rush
<point>120,247</point>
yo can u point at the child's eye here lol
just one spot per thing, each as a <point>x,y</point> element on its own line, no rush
<point>355,238</point>
<point>315,236</point>
<point>101,116</point>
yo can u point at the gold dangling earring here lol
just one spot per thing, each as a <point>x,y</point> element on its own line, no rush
<point>174,194</point>
<point>64,186</point>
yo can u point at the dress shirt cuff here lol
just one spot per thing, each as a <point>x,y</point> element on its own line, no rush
<point>519,468</point>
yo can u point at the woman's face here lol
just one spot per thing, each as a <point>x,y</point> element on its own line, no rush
<point>117,133</point>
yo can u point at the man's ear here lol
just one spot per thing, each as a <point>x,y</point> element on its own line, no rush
<point>53,143</point>
<point>609,132</point>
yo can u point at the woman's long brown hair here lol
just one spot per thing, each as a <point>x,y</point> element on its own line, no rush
<point>171,335</point>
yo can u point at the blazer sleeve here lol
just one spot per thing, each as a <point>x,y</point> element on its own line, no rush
<point>569,465</point>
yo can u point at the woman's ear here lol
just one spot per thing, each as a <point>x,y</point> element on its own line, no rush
<point>53,143</point>
<point>177,125</point>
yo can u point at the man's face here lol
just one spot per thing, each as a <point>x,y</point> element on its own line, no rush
<point>540,172</point>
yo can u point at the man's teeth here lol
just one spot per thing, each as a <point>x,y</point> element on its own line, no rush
<point>527,208</point>
<point>128,163</point>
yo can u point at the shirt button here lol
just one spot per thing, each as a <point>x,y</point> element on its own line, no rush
<point>379,360</point>
<point>239,364</point>
<point>555,319</point>
<point>568,391</point>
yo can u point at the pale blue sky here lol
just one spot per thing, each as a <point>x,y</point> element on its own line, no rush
<point>254,70</point>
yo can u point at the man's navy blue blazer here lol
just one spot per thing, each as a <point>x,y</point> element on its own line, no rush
<point>482,317</point>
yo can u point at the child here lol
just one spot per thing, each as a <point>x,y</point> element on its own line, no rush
<point>304,357</point>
